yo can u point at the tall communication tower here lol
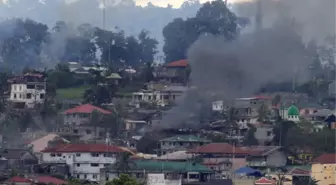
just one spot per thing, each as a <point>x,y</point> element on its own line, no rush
<point>258,16</point>
<point>104,14</point>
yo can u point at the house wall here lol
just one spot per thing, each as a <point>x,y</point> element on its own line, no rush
<point>264,134</point>
<point>161,97</point>
<point>218,106</point>
<point>20,93</point>
<point>324,173</point>
<point>75,119</point>
<point>82,165</point>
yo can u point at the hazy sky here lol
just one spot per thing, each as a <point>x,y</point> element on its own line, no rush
<point>175,3</point>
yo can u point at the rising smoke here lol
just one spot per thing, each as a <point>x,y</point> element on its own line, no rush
<point>227,71</point>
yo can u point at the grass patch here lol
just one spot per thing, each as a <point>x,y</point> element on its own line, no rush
<point>72,93</point>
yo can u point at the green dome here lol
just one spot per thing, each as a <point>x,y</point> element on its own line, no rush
<point>293,111</point>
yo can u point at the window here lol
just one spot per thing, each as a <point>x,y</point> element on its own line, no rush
<point>75,131</point>
<point>78,165</point>
<point>94,164</point>
<point>94,154</point>
<point>78,154</point>
<point>14,87</point>
<point>59,155</point>
<point>41,96</point>
<point>94,176</point>
<point>52,155</point>
<point>85,176</point>
<point>29,95</point>
<point>78,176</point>
<point>108,154</point>
<point>20,87</point>
<point>105,165</point>
<point>20,96</point>
<point>269,133</point>
<point>14,96</point>
<point>88,131</point>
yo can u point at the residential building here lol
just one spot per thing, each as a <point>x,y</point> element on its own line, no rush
<point>180,142</point>
<point>173,72</point>
<point>324,169</point>
<point>81,114</point>
<point>114,78</point>
<point>263,157</point>
<point>223,158</point>
<point>84,160</point>
<point>162,97</point>
<point>173,172</point>
<point>249,107</point>
<point>181,155</point>
<point>27,90</point>
<point>264,133</point>
<point>218,106</point>
<point>42,143</point>
<point>16,180</point>
<point>73,66</point>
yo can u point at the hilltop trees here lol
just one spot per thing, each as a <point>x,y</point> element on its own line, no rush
<point>213,17</point>
<point>29,43</point>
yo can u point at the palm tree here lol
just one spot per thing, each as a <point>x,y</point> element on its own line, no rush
<point>307,181</point>
<point>124,164</point>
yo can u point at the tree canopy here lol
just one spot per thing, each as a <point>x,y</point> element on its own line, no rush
<point>26,43</point>
<point>213,17</point>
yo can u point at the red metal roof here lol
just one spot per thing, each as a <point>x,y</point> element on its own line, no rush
<point>325,159</point>
<point>218,148</point>
<point>179,63</point>
<point>298,171</point>
<point>50,180</point>
<point>18,179</point>
<point>86,109</point>
<point>264,181</point>
<point>91,148</point>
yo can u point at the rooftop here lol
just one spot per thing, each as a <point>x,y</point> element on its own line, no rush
<point>89,148</point>
<point>293,111</point>
<point>86,109</point>
<point>325,159</point>
<point>170,166</point>
<point>114,76</point>
<point>185,138</point>
<point>218,148</point>
<point>179,63</point>
<point>39,179</point>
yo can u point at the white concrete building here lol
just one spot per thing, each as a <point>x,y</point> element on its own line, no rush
<point>218,106</point>
<point>160,97</point>
<point>84,160</point>
<point>29,89</point>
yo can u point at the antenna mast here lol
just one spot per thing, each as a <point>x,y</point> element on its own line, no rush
<point>258,17</point>
<point>104,14</point>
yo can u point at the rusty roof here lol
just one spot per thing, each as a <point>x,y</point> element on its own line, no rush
<point>218,148</point>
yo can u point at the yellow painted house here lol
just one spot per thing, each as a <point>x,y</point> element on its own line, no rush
<point>324,169</point>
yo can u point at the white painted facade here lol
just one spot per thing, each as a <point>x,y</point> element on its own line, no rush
<point>218,106</point>
<point>30,94</point>
<point>161,98</point>
<point>83,165</point>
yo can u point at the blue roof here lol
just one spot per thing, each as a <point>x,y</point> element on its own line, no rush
<point>247,171</point>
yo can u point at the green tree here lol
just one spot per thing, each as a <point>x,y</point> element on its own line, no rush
<point>123,180</point>
<point>250,139</point>
<point>213,17</point>
<point>306,181</point>
<point>124,163</point>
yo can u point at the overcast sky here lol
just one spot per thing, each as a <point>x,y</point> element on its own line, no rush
<point>175,3</point>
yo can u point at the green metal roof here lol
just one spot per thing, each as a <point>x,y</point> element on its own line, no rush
<point>185,138</point>
<point>293,111</point>
<point>303,167</point>
<point>170,166</point>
